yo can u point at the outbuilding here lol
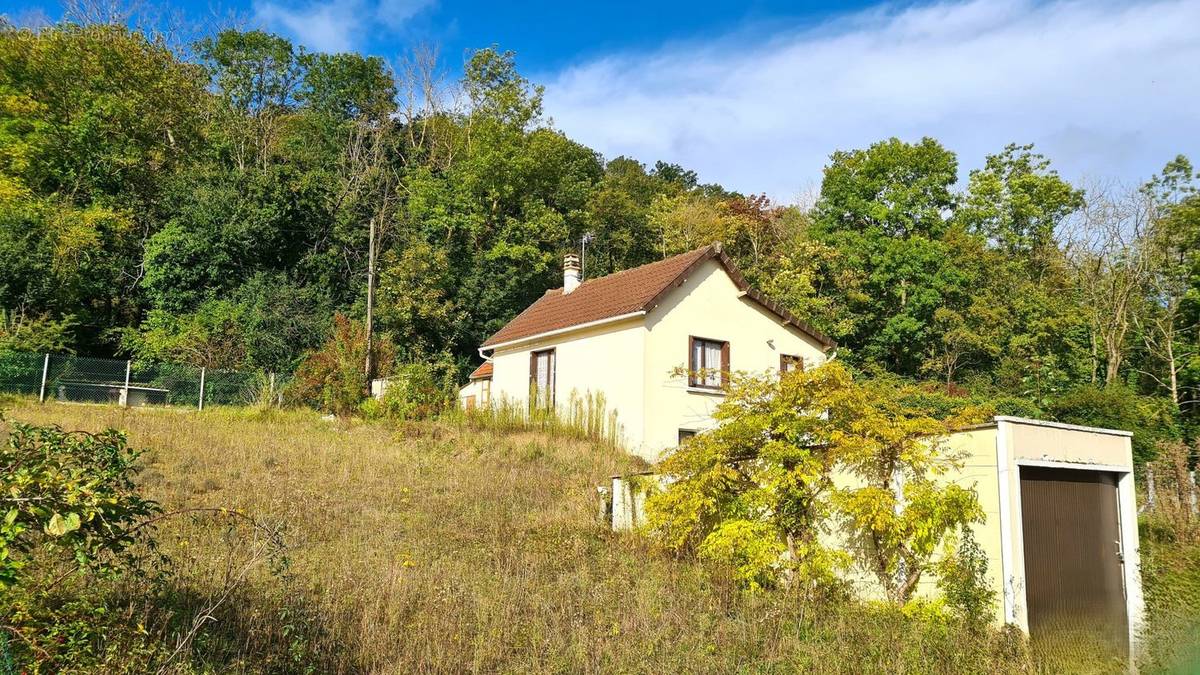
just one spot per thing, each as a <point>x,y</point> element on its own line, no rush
<point>1060,533</point>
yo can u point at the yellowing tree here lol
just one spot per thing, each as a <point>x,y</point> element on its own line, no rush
<point>758,492</point>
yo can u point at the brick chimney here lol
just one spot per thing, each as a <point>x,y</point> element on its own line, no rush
<point>572,275</point>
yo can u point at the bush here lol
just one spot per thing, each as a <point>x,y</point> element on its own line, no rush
<point>413,393</point>
<point>332,378</point>
<point>70,511</point>
<point>70,493</point>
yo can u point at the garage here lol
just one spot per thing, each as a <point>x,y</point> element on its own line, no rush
<point>1074,568</point>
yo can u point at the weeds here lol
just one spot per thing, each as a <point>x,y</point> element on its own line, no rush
<point>447,547</point>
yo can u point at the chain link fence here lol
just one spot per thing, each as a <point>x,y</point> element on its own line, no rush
<point>61,377</point>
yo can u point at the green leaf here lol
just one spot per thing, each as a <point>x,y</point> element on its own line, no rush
<point>58,526</point>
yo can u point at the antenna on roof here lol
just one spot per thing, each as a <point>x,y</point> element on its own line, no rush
<point>587,239</point>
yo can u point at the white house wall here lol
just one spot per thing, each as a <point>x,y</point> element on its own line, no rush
<point>708,305</point>
<point>606,359</point>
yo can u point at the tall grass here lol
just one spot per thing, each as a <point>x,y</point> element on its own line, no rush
<point>583,417</point>
<point>458,546</point>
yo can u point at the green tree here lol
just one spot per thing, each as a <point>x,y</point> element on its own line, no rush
<point>758,492</point>
<point>1017,201</point>
<point>886,210</point>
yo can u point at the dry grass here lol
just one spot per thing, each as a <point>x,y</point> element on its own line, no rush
<point>435,548</point>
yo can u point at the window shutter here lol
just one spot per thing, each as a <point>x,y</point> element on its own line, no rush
<point>724,364</point>
<point>691,361</point>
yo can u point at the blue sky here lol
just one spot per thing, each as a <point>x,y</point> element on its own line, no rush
<point>756,95</point>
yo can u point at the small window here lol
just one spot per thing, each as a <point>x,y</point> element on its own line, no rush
<point>541,378</point>
<point>686,435</point>
<point>709,363</point>
<point>790,364</point>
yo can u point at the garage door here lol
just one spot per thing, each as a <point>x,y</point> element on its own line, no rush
<point>1074,582</point>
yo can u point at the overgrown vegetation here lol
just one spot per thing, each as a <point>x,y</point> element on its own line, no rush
<point>760,492</point>
<point>432,547</point>
<point>215,204</point>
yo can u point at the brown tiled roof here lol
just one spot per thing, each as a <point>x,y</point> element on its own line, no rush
<point>483,372</point>
<point>633,290</point>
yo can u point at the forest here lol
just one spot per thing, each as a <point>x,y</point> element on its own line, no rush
<point>214,202</point>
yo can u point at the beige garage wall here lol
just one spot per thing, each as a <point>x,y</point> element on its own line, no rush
<point>1050,444</point>
<point>708,305</point>
<point>606,359</point>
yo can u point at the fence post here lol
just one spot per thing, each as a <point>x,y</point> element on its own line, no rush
<point>202,370</point>
<point>128,370</point>
<point>45,372</point>
<point>271,390</point>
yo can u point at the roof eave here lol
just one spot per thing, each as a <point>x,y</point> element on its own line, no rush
<point>715,252</point>
<point>561,331</point>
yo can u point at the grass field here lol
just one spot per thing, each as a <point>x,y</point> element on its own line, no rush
<point>437,548</point>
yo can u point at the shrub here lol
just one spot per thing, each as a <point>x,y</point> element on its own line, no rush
<point>69,508</point>
<point>71,493</point>
<point>963,581</point>
<point>333,378</point>
<point>413,393</point>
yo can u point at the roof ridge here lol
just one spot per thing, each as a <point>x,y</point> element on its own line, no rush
<point>636,289</point>
<point>642,266</point>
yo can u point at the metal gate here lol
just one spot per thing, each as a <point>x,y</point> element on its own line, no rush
<point>1074,577</point>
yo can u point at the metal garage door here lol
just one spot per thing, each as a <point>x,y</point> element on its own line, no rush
<point>1073,570</point>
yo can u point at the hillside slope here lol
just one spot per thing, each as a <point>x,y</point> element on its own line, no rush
<point>435,547</point>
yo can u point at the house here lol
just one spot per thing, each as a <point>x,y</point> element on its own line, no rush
<point>654,344</point>
<point>478,389</point>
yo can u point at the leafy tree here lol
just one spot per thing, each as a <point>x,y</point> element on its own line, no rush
<point>759,485</point>
<point>1017,201</point>
<point>20,332</point>
<point>758,492</point>
<point>92,118</point>
<point>210,337</point>
<point>892,189</point>
<point>1117,406</point>
<point>886,209</point>
<point>897,515</point>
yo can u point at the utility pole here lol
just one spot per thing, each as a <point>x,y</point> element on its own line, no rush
<point>370,366</point>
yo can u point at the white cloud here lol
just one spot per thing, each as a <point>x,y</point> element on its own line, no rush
<point>1102,88</point>
<point>334,26</point>
<point>337,25</point>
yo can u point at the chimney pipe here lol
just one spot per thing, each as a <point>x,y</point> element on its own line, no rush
<point>571,273</point>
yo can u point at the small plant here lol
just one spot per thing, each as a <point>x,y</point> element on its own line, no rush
<point>70,492</point>
<point>962,577</point>
<point>413,393</point>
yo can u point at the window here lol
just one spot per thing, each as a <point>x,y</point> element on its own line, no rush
<point>790,364</point>
<point>685,435</point>
<point>709,363</point>
<point>541,378</point>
